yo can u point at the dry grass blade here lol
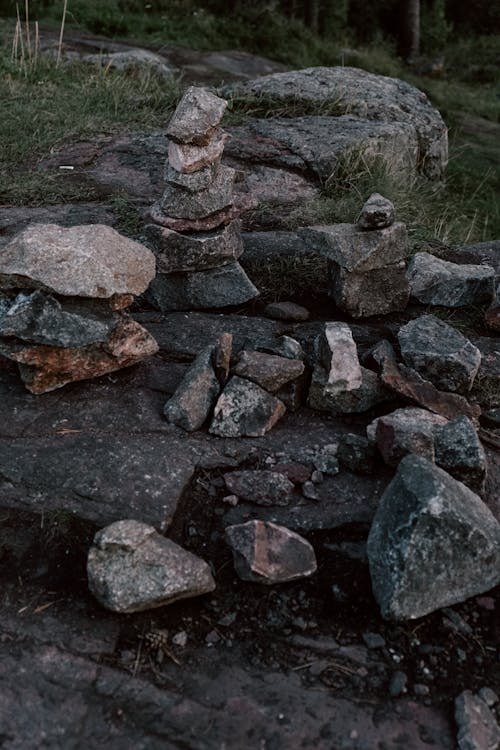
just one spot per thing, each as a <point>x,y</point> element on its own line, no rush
<point>61,34</point>
<point>27,25</point>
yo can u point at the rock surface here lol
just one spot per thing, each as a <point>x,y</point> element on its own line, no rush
<point>263,487</point>
<point>432,543</point>
<point>131,568</point>
<point>460,453</point>
<point>267,553</point>
<point>244,408</point>
<point>477,726</point>
<point>438,282</point>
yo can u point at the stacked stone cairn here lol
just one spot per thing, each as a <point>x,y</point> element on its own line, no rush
<point>196,235</point>
<point>62,296</point>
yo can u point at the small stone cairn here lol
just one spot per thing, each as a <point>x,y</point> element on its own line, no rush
<point>196,234</point>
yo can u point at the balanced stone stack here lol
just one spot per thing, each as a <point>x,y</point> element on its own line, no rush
<point>366,261</point>
<point>62,296</point>
<point>196,235</point>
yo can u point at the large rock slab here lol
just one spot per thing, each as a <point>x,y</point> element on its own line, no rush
<point>131,568</point>
<point>432,543</point>
<point>438,282</point>
<point>83,261</point>
<point>440,353</point>
<point>357,92</point>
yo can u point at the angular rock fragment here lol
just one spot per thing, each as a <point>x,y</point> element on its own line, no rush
<point>92,260</point>
<point>477,727</point>
<point>409,430</point>
<point>197,115</point>
<point>244,408</point>
<point>283,346</point>
<point>195,397</point>
<point>266,553</point>
<point>193,182</point>
<point>432,543</point>
<point>377,213</point>
<point>338,355</point>
<point>222,356</point>
<point>459,451</point>
<point>369,394</point>
<point>132,568</point>
<point>218,196</point>
<point>286,311</point>
<point>187,158</point>
<point>438,282</point>
<point>261,486</point>
<point>439,353</point>
<point>268,370</point>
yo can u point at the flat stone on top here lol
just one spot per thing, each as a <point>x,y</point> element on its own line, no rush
<point>92,260</point>
<point>198,113</point>
<point>377,212</point>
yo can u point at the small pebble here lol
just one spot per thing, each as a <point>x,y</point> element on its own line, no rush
<point>420,689</point>
<point>397,684</point>
<point>309,490</point>
<point>373,640</point>
<point>180,638</point>
<point>231,499</point>
<point>317,477</point>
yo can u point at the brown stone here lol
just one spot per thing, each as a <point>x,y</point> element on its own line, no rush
<point>188,158</point>
<point>222,356</point>
<point>287,311</point>
<point>197,115</point>
<point>268,370</point>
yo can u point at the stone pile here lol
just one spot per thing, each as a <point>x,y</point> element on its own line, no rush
<point>196,233</point>
<point>366,261</point>
<point>62,296</point>
<point>243,395</point>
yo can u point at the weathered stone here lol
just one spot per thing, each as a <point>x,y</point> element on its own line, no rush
<point>188,158</point>
<point>477,726</point>
<point>197,115</point>
<point>367,95</point>
<point>83,261</point>
<point>204,224</point>
<point>370,394</point>
<point>261,486</point>
<point>338,355</point>
<point>45,368</point>
<point>409,430</point>
<point>326,459</point>
<point>218,196</point>
<point>492,317</point>
<point>377,213</point>
<point>267,553</point>
<point>357,454</point>
<point>281,346</point>
<point>376,292</point>
<point>132,58</point>
<point>194,399</point>
<point>437,282</point>
<point>192,182</point>
<point>484,253</point>
<point>217,287</point>
<point>131,568</point>
<point>286,311</point>
<point>432,543</point>
<point>294,393</point>
<point>222,356</point>
<point>440,353</point>
<point>268,370</point>
<point>177,252</point>
<point>244,408</point>
<point>486,387</point>
<point>39,318</point>
<point>460,453</point>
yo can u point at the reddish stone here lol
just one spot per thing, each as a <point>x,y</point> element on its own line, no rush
<point>194,225</point>
<point>187,158</point>
<point>296,473</point>
<point>268,370</point>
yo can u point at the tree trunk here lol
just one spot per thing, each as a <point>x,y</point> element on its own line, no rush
<point>312,15</point>
<point>411,29</point>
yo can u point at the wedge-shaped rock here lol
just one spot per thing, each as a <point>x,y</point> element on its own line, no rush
<point>432,543</point>
<point>177,252</point>
<point>440,353</point>
<point>409,430</point>
<point>218,196</point>
<point>197,115</point>
<point>338,355</point>
<point>132,568</point>
<point>260,486</point>
<point>460,453</point>
<point>92,260</point>
<point>369,394</point>
<point>244,408</point>
<point>377,213</point>
<point>188,158</point>
<point>195,397</point>
<point>217,287</point>
<point>267,553</point>
<point>45,368</point>
<point>268,370</point>
<point>438,282</point>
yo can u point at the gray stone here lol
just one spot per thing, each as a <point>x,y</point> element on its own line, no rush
<point>194,399</point>
<point>217,287</point>
<point>218,196</point>
<point>39,318</point>
<point>440,353</point>
<point>200,180</point>
<point>376,292</point>
<point>281,346</point>
<point>131,568</point>
<point>484,253</point>
<point>269,371</point>
<point>197,115</point>
<point>409,430</point>
<point>268,553</point>
<point>477,726</point>
<point>398,684</point>
<point>338,355</point>
<point>377,213</point>
<point>260,486</point>
<point>438,282</point>
<point>357,454</point>
<point>325,459</point>
<point>370,394</point>
<point>244,408</point>
<point>492,317</point>
<point>432,543</point>
<point>488,696</point>
<point>132,58</point>
<point>177,252</point>
<point>367,95</point>
<point>460,453</point>
<point>83,261</point>
<point>188,158</point>
<point>486,387</point>
<point>286,311</point>
<point>266,247</point>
